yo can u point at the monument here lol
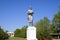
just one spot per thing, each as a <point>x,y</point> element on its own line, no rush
<point>31,30</point>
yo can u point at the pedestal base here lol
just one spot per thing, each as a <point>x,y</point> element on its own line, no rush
<point>31,39</point>
<point>31,33</point>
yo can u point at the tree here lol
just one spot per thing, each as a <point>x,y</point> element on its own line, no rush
<point>3,35</point>
<point>21,32</point>
<point>17,33</point>
<point>42,28</point>
<point>56,21</point>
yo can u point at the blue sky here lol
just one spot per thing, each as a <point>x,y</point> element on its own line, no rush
<point>13,13</point>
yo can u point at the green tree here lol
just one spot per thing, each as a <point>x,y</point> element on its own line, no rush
<point>42,28</point>
<point>3,35</point>
<point>17,33</point>
<point>21,32</point>
<point>56,21</point>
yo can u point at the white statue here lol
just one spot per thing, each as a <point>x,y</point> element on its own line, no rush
<point>31,30</point>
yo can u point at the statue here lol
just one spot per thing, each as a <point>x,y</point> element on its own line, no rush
<point>31,30</point>
<point>30,16</point>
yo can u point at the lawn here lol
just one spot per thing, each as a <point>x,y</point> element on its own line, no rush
<point>16,38</point>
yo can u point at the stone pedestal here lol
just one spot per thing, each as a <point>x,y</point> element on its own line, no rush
<point>31,33</point>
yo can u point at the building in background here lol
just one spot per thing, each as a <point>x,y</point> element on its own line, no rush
<point>11,34</point>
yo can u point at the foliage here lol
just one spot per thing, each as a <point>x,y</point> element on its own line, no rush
<point>21,32</point>
<point>43,27</point>
<point>56,21</point>
<point>3,35</point>
<point>17,33</point>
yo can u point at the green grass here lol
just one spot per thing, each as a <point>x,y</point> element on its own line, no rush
<point>15,38</point>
